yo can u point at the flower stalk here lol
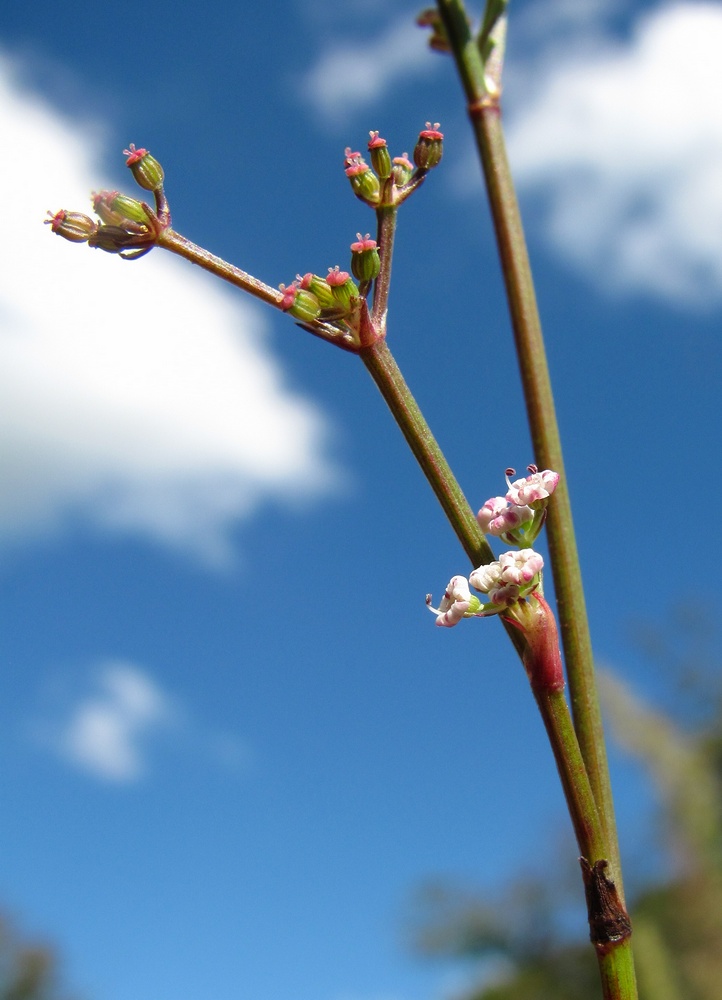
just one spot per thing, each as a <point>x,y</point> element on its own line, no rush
<point>479,62</point>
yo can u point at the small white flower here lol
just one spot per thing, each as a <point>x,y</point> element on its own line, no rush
<point>486,577</point>
<point>512,576</point>
<point>497,517</point>
<point>455,603</point>
<point>536,486</point>
<point>520,567</point>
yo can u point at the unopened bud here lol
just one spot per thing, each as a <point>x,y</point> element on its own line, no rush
<point>403,169</point>
<point>112,239</point>
<point>319,287</point>
<point>130,209</point>
<point>102,202</point>
<point>343,287</point>
<point>430,147</point>
<point>300,303</point>
<point>380,156</point>
<point>74,226</point>
<point>116,209</point>
<point>364,182</point>
<point>365,261</point>
<point>146,170</point>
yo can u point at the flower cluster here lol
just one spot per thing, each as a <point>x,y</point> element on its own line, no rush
<point>507,580</point>
<point>124,226</point>
<point>312,297</point>
<point>387,181</point>
<point>337,300</point>
<point>517,518</point>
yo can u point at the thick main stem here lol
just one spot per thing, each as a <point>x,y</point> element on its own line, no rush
<point>485,118</point>
<point>544,429</point>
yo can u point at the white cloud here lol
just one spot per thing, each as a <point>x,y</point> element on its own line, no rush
<point>624,140</point>
<point>138,396</point>
<point>108,731</point>
<point>111,724</point>
<point>354,74</point>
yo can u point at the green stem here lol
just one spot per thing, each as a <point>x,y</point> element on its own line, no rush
<point>386,374</point>
<point>616,968</point>
<point>609,924</point>
<point>386,217</point>
<point>485,118</point>
<point>169,239</point>
<point>572,772</point>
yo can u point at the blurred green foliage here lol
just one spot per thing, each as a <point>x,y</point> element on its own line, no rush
<point>28,970</point>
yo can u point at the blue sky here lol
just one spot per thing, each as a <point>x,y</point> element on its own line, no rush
<point>232,741</point>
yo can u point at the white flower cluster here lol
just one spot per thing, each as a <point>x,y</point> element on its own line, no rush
<point>507,580</point>
<point>519,516</point>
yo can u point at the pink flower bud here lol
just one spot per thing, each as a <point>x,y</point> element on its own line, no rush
<point>364,182</point>
<point>365,261</point>
<point>430,147</point>
<point>146,170</point>
<point>403,169</point>
<point>380,156</point>
<point>301,304</point>
<point>116,209</point>
<point>320,288</point>
<point>343,287</point>
<point>73,226</point>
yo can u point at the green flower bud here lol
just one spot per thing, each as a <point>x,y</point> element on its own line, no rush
<point>300,303</point>
<point>102,206</point>
<point>115,209</point>
<point>146,170</point>
<point>130,209</point>
<point>73,226</point>
<point>343,287</point>
<point>380,156</point>
<point>363,180</point>
<point>430,147</point>
<point>319,287</point>
<point>403,169</point>
<point>365,261</point>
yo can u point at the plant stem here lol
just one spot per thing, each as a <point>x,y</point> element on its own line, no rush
<point>169,239</point>
<point>386,374</point>
<point>385,232</point>
<point>578,793</point>
<point>609,924</point>
<point>486,122</point>
<point>536,383</point>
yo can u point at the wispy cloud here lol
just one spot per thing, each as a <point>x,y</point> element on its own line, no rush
<point>139,397</point>
<point>115,721</point>
<point>624,142</point>
<point>353,74</point>
<point>108,730</point>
